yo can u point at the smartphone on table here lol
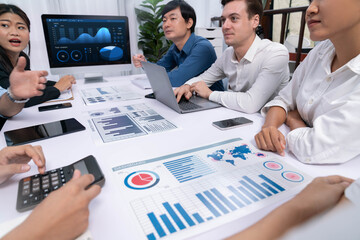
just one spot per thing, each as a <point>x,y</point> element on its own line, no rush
<point>54,107</point>
<point>32,190</point>
<point>42,131</point>
<point>232,123</point>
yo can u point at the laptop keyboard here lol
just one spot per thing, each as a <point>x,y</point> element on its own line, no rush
<point>185,105</point>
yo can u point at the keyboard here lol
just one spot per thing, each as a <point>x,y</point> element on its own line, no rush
<point>186,105</point>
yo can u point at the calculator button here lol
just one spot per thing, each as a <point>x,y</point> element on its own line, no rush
<point>53,171</point>
<point>45,195</point>
<point>25,202</point>
<point>36,199</point>
<point>36,189</point>
<point>25,192</point>
<point>54,175</point>
<point>63,180</point>
<point>56,187</point>
<point>55,183</point>
<point>45,185</point>
<point>46,190</point>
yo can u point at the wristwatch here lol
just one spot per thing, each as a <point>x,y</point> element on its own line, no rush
<point>11,97</point>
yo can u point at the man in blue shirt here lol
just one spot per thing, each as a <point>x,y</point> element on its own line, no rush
<point>190,55</point>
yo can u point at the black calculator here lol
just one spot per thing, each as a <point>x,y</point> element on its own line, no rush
<point>33,189</point>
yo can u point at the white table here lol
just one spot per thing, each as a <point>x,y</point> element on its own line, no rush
<point>108,217</point>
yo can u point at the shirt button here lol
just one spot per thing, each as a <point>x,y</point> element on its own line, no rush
<point>328,79</point>
<point>307,160</point>
<point>311,101</point>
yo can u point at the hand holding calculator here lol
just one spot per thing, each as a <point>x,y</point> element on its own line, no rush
<point>32,190</point>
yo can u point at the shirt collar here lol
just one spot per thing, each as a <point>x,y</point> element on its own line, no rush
<point>327,55</point>
<point>189,44</point>
<point>251,52</point>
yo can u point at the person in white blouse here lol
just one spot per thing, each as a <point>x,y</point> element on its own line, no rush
<point>321,104</point>
<point>256,69</point>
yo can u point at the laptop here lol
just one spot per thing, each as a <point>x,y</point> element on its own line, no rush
<point>161,85</point>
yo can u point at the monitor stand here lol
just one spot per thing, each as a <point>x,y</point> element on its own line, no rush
<point>94,78</point>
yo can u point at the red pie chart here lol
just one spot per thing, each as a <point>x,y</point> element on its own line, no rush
<point>141,180</point>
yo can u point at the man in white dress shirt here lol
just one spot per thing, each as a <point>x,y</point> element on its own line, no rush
<point>256,69</point>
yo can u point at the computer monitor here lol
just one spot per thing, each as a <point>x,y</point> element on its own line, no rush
<point>88,44</point>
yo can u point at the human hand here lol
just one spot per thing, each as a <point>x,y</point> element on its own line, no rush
<point>137,59</point>
<point>201,89</point>
<point>14,160</point>
<point>183,90</point>
<point>294,120</point>
<point>321,194</point>
<point>64,214</point>
<point>271,139</point>
<point>65,83</point>
<point>26,84</point>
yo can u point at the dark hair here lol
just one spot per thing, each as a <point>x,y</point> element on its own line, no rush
<point>186,10</point>
<point>253,7</point>
<point>4,59</point>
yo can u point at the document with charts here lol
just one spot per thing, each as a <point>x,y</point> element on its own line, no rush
<point>92,96</point>
<point>187,193</point>
<point>122,122</point>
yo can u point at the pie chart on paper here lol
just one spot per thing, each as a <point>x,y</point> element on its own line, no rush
<point>141,180</point>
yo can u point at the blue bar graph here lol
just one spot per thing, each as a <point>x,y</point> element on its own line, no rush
<point>216,202</point>
<point>223,199</point>
<point>269,188</point>
<point>184,214</point>
<point>248,194</point>
<point>151,236</point>
<point>236,201</point>
<point>167,222</point>
<point>174,216</point>
<point>208,205</point>
<point>198,218</point>
<point>188,168</point>
<point>257,186</point>
<point>272,182</point>
<point>156,224</point>
<point>245,184</point>
<point>239,195</point>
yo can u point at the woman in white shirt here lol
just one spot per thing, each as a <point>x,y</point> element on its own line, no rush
<point>321,105</point>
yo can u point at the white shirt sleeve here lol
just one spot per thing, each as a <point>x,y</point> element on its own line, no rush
<point>266,84</point>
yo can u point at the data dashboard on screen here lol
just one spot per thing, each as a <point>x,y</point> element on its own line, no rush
<point>86,41</point>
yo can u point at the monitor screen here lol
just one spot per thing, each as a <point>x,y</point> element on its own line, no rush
<point>84,40</point>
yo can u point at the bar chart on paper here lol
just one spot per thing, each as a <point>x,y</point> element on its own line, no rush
<point>167,213</point>
<point>184,194</point>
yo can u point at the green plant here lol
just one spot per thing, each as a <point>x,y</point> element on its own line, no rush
<point>151,37</point>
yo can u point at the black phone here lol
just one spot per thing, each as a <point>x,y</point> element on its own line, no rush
<point>32,190</point>
<point>150,95</point>
<point>232,123</point>
<point>42,131</point>
<point>54,107</point>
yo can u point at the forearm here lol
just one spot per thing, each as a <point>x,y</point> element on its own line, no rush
<point>294,120</point>
<point>9,108</point>
<point>275,117</point>
<point>24,231</point>
<point>275,224</point>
